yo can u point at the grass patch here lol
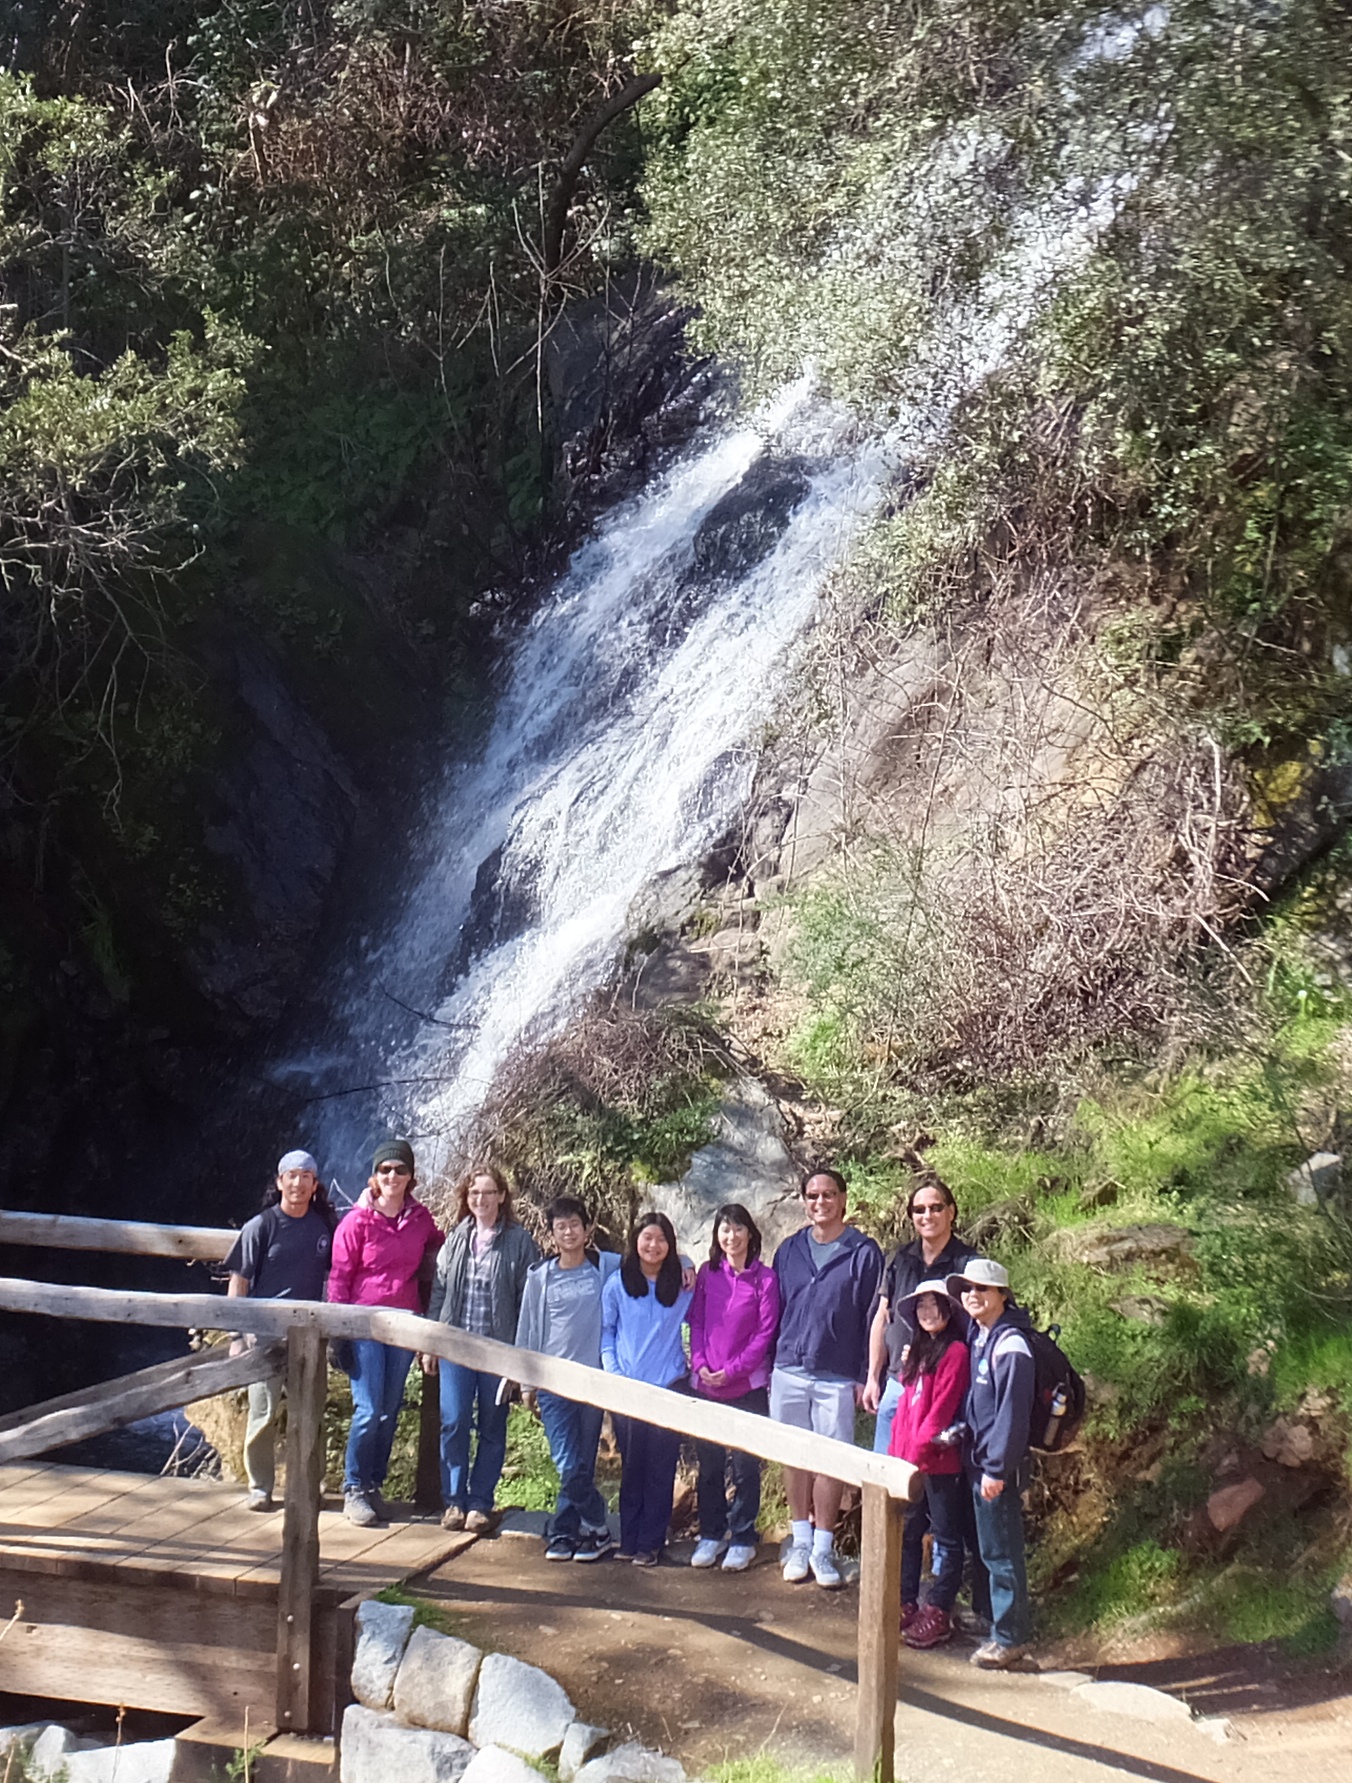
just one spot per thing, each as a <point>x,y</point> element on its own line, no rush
<point>1246,1604</point>
<point>763,1769</point>
<point>529,1477</point>
<point>428,1615</point>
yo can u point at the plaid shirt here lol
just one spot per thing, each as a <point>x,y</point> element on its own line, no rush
<point>479,1269</point>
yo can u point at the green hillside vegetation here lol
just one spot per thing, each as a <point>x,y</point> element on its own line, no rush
<point>1132,1015</point>
<point>271,276</point>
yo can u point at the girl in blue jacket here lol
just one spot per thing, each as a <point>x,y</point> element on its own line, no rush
<point>643,1307</point>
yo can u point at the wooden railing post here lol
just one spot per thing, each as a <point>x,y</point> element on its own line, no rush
<point>879,1635</point>
<point>306,1387</point>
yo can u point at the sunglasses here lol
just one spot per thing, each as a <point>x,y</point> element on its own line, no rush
<point>393,1170</point>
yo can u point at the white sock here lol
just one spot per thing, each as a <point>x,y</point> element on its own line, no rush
<point>823,1541</point>
<point>802,1532</point>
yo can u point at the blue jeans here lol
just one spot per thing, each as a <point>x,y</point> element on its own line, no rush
<point>921,1521</point>
<point>378,1375</point>
<point>942,1512</point>
<point>887,1410</point>
<point>716,1466</point>
<point>471,1489</point>
<point>574,1431</point>
<point>999,1530</point>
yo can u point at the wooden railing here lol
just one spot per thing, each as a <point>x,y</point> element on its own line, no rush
<point>886,1485</point>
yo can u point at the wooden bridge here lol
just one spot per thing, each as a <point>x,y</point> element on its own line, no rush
<point>164,1593</point>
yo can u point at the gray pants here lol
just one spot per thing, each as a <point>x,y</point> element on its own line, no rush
<point>266,1400</point>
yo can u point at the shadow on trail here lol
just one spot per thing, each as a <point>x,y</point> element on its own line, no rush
<point>770,1640</point>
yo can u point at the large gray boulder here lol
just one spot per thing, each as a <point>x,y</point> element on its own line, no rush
<point>140,1761</point>
<point>1155,1247</point>
<point>520,1707</point>
<point>579,1743</point>
<point>383,1631</point>
<point>378,1749</point>
<point>53,1749</point>
<point>747,1160</point>
<point>435,1685</point>
<point>632,1763</point>
<point>1317,1180</point>
<point>496,1765</point>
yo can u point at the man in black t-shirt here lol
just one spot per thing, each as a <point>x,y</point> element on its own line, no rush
<point>282,1254</point>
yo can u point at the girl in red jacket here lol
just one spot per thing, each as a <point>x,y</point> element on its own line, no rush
<point>933,1378</point>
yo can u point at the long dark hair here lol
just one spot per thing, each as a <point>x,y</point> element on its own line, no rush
<point>927,1348</point>
<point>668,1276</point>
<point>319,1201</point>
<point>735,1215</point>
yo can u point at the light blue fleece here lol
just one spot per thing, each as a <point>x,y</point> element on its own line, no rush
<point>641,1338</point>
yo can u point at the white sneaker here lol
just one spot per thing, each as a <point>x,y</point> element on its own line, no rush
<point>825,1571</point>
<point>738,1557</point>
<point>707,1553</point>
<point>798,1564</point>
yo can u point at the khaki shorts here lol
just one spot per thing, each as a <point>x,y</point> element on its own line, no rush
<point>824,1406</point>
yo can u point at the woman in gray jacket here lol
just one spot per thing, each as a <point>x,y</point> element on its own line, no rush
<point>481,1276</point>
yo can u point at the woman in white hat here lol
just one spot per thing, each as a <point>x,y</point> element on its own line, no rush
<point>934,1376</point>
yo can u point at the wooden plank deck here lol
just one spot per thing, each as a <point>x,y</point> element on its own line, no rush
<point>192,1533</point>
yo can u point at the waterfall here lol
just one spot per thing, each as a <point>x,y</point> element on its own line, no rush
<point>625,732</point>
<point>623,744</point>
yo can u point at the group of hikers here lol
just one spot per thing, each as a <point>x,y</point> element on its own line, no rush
<point>931,1342</point>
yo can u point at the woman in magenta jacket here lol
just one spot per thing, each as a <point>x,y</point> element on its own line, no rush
<point>933,1376</point>
<point>382,1254</point>
<point>734,1318</point>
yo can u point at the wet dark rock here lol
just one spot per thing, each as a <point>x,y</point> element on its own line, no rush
<point>745,526</point>
<point>279,812</point>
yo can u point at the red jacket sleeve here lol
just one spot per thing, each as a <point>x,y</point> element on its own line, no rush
<point>950,1389</point>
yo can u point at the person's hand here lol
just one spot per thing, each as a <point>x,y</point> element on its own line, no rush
<point>873,1395</point>
<point>687,1278</point>
<point>428,1363</point>
<point>238,1345</point>
<point>529,1398</point>
<point>714,1377</point>
<point>859,1393</point>
<point>991,1489</point>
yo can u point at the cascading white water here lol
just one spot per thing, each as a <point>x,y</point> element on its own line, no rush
<point>623,741</point>
<point>621,746</point>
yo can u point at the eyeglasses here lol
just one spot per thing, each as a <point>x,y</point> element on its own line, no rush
<point>393,1170</point>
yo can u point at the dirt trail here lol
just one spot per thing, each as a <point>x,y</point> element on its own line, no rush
<point>712,1666</point>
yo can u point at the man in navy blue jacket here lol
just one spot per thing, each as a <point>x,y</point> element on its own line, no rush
<point>828,1280</point>
<point>999,1419</point>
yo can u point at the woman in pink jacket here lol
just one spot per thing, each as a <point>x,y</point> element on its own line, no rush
<point>734,1318</point>
<point>933,1377</point>
<point>378,1260</point>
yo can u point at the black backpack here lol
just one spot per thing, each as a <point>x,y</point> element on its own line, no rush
<point>1058,1393</point>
